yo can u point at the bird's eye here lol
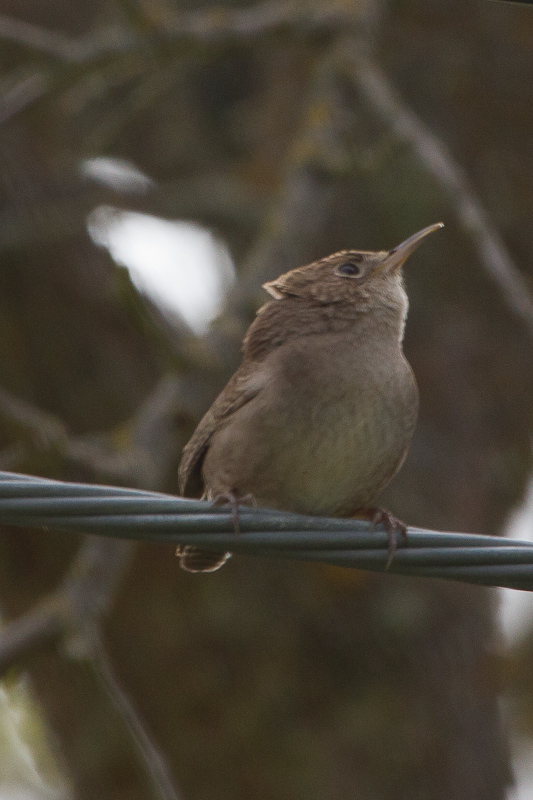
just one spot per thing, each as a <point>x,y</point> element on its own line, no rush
<point>349,269</point>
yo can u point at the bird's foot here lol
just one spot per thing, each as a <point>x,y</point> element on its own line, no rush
<point>393,526</point>
<point>193,559</point>
<point>234,501</point>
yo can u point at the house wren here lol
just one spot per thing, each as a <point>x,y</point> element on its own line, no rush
<point>320,414</point>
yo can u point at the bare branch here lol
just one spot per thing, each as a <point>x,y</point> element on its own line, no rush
<point>214,25</point>
<point>143,461</point>
<point>219,24</point>
<point>222,197</point>
<point>318,160</point>
<point>72,615</point>
<point>86,593</point>
<point>40,39</point>
<point>438,160</point>
<point>154,762</point>
<point>22,95</point>
<point>217,199</point>
<point>87,590</point>
<point>61,46</point>
<point>45,428</point>
<point>197,27</point>
<point>41,627</point>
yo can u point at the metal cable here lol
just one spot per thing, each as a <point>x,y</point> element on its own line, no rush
<point>148,516</point>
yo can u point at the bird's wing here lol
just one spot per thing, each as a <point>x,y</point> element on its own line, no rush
<point>242,387</point>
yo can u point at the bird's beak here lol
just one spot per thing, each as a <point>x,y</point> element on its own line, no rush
<point>398,255</point>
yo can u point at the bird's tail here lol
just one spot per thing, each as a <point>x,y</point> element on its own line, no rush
<point>192,559</point>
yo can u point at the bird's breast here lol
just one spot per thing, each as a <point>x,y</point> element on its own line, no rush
<point>325,434</point>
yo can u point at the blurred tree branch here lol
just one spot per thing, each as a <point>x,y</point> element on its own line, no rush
<point>22,94</point>
<point>215,199</point>
<point>199,27</point>
<point>317,161</point>
<point>207,26</point>
<point>136,452</point>
<point>370,79</point>
<point>87,591</point>
<point>71,618</point>
<point>221,25</point>
<point>156,767</point>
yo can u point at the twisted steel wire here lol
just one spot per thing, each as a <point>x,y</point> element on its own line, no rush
<point>149,516</point>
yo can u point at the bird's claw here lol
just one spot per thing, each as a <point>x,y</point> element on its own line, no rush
<point>393,526</point>
<point>232,500</point>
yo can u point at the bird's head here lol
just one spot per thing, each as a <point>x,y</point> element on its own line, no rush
<point>361,279</point>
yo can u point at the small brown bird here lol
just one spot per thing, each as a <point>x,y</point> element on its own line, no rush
<point>320,414</point>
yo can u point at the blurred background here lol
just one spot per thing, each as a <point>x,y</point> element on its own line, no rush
<point>160,160</point>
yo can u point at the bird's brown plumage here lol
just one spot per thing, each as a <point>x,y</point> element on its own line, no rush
<point>320,414</point>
